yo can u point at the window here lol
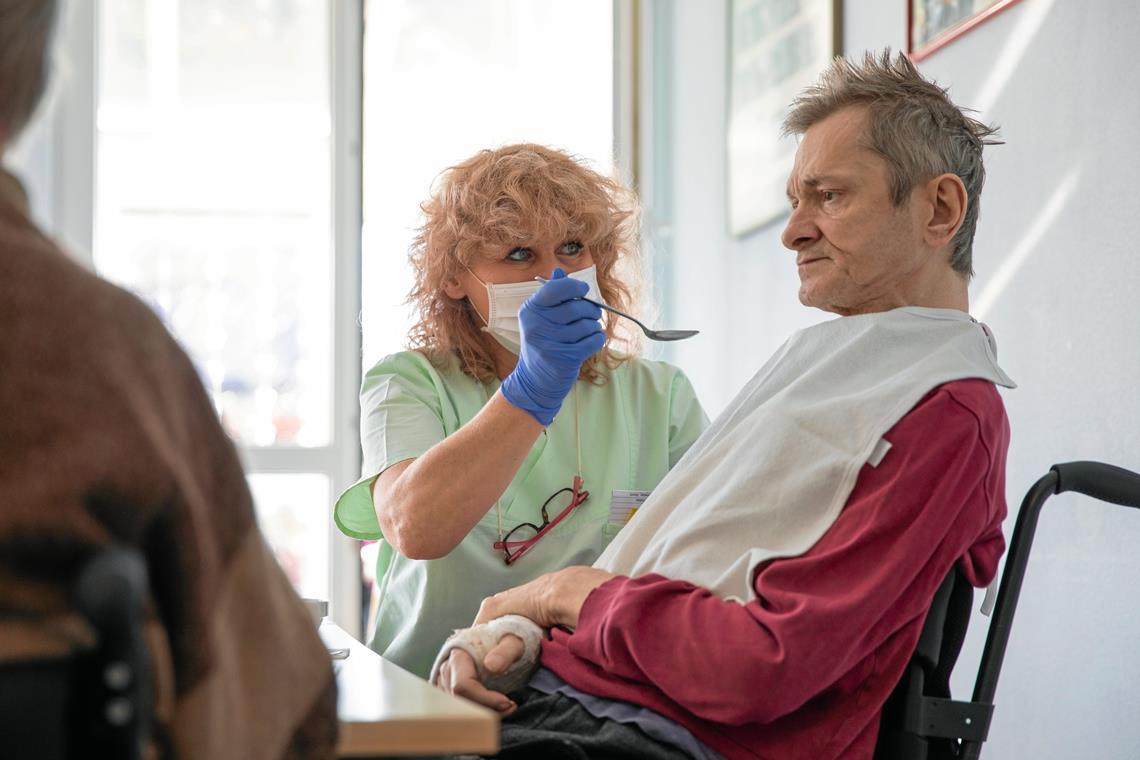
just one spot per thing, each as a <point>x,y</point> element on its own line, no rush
<point>214,186</point>
<point>444,79</point>
<point>212,197</point>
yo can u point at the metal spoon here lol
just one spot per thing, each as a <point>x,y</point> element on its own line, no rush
<point>651,334</point>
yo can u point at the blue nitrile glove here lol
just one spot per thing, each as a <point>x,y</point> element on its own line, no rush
<point>559,332</point>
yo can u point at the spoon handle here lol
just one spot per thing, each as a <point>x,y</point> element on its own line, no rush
<point>601,305</point>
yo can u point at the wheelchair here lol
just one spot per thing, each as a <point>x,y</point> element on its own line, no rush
<point>98,702</point>
<point>920,720</point>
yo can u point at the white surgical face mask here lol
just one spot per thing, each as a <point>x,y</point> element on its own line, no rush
<point>505,301</point>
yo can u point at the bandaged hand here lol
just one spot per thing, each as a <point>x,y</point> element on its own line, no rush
<point>559,332</point>
<point>485,662</point>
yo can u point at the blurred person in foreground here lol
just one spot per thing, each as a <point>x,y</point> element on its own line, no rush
<point>765,600</point>
<point>108,437</point>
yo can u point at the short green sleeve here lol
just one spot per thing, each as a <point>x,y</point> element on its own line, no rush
<point>401,417</point>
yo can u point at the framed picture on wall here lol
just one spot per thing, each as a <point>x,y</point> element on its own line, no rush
<point>776,48</point>
<point>933,23</point>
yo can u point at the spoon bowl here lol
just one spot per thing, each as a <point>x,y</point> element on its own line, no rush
<point>663,334</point>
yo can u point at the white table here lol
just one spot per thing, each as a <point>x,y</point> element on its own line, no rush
<point>385,710</point>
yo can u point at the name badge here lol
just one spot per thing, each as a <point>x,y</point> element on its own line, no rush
<point>624,504</point>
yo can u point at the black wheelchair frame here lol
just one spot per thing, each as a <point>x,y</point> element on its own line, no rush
<point>98,702</point>
<point>920,721</point>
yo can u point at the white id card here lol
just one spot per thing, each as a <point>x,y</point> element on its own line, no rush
<point>624,504</point>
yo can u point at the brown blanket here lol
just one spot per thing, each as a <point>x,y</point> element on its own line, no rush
<point>106,434</point>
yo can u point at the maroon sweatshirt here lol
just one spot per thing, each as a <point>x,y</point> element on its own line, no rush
<point>803,670</point>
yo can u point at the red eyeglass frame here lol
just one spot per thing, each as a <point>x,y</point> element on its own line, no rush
<point>507,546</point>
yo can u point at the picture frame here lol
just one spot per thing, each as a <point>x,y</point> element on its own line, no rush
<point>775,49</point>
<point>933,24</point>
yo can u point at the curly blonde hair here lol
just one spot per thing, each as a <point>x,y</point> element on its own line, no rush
<point>507,197</point>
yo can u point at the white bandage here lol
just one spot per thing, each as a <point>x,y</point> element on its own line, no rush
<point>478,640</point>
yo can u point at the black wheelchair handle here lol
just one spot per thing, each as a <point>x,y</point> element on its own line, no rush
<point>1101,481</point>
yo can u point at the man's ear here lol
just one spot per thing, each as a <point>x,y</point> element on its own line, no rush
<point>947,199</point>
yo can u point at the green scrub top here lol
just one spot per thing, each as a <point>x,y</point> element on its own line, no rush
<point>634,428</point>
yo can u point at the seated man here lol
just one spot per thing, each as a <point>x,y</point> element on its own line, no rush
<point>107,436</point>
<point>765,600</point>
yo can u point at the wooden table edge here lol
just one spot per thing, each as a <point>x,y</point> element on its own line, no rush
<point>406,737</point>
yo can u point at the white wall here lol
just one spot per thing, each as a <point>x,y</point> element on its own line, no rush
<point>1058,279</point>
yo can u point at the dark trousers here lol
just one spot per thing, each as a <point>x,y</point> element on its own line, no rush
<point>555,727</point>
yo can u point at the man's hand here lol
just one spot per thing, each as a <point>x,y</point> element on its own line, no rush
<point>458,676</point>
<point>552,599</point>
<point>549,600</point>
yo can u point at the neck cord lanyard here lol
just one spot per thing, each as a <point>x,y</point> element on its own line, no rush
<point>577,445</point>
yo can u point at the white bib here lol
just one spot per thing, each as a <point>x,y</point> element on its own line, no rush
<point>771,474</point>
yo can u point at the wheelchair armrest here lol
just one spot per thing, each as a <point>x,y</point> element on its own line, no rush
<point>937,718</point>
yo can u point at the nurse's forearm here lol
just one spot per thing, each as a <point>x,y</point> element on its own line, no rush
<point>426,506</point>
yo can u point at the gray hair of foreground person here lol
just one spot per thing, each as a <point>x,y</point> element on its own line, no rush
<point>912,124</point>
<point>25,36</point>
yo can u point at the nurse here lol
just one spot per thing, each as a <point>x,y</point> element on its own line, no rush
<point>507,441</point>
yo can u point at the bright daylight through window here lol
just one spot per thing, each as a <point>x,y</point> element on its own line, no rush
<point>213,204</point>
